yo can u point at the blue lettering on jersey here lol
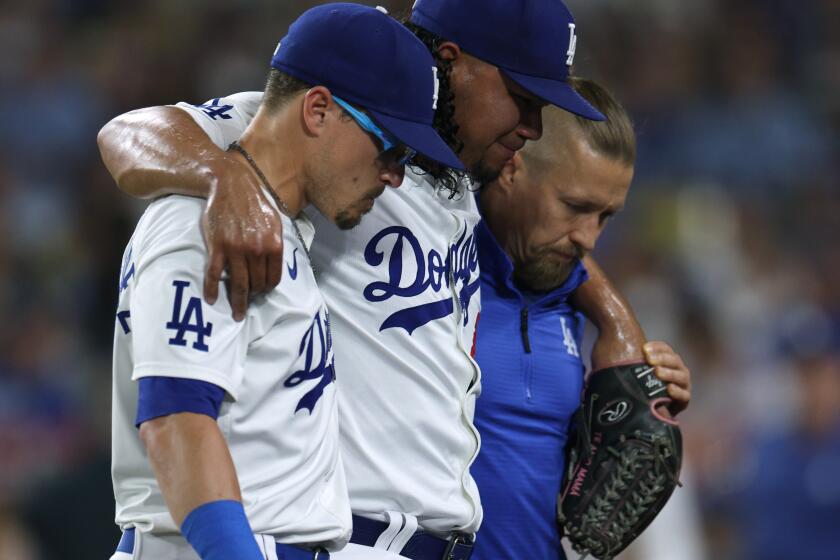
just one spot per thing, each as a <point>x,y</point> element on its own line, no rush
<point>191,321</point>
<point>123,317</point>
<point>315,349</point>
<point>127,270</point>
<point>216,111</point>
<point>432,273</point>
<point>293,270</point>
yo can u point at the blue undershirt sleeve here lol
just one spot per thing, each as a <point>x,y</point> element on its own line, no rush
<point>162,396</point>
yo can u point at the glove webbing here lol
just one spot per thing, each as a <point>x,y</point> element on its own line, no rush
<point>626,475</point>
<point>647,486</point>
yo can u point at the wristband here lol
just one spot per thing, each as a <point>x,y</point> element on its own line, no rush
<point>220,531</point>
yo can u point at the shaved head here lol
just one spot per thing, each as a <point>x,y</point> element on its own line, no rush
<point>553,198</point>
<point>613,138</point>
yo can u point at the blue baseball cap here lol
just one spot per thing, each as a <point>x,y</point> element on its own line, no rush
<point>532,41</point>
<point>367,58</point>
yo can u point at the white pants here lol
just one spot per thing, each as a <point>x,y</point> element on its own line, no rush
<point>174,547</point>
<point>148,546</point>
<point>359,552</point>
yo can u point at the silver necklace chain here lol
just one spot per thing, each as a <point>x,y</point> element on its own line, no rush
<point>285,209</point>
<point>235,145</point>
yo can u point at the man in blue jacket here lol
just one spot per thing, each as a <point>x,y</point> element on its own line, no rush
<point>542,216</point>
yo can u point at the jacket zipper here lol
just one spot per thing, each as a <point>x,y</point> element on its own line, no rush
<point>523,329</point>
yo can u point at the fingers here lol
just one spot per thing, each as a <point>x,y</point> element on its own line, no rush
<point>243,232</point>
<point>213,276</point>
<point>238,286</point>
<point>679,387</point>
<point>671,369</point>
<point>679,399</point>
<point>274,257</point>
<point>661,354</point>
<point>265,259</point>
<point>274,270</point>
<point>257,274</point>
<point>679,377</point>
<point>679,394</point>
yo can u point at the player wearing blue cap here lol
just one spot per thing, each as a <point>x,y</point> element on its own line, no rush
<point>403,287</point>
<point>237,452</point>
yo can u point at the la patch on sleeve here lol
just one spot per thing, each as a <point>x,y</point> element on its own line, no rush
<point>188,318</point>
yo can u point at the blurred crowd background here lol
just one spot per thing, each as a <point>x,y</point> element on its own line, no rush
<point>728,247</point>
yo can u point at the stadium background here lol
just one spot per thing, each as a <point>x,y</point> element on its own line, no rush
<point>728,247</point>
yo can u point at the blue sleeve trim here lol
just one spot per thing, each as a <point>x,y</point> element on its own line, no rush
<point>220,531</point>
<point>162,396</point>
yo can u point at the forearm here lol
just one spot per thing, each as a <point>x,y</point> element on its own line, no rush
<point>621,337</point>
<point>191,462</point>
<point>160,150</point>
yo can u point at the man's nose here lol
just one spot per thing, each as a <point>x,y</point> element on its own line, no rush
<point>530,126</point>
<point>392,174</point>
<point>586,232</point>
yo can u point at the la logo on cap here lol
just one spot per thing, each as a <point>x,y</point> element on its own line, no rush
<point>437,87</point>
<point>570,54</point>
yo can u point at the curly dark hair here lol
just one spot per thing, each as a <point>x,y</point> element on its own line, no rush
<point>446,178</point>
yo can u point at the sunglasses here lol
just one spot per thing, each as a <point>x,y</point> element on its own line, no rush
<point>403,153</point>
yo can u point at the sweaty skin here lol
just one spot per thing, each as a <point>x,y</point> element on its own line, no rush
<point>150,151</point>
<point>161,150</point>
<point>620,335</point>
<point>622,340</point>
<point>539,213</point>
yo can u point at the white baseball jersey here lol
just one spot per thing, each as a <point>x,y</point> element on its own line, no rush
<point>402,289</point>
<point>279,416</point>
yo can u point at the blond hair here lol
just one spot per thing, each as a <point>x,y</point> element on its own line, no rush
<point>613,138</point>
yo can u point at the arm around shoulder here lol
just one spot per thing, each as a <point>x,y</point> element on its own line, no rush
<point>160,150</point>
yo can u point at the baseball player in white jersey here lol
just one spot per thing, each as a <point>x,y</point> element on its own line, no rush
<point>409,274</point>
<point>403,287</point>
<point>237,453</point>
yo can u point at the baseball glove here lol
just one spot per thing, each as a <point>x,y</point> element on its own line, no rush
<point>623,461</point>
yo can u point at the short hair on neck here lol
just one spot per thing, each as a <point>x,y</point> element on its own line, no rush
<point>280,88</point>
<point>613,138</point>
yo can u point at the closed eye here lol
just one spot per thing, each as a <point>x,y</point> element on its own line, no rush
<point>575,207</point>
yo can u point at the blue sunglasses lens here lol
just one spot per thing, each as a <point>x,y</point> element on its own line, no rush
<point>388,141</point>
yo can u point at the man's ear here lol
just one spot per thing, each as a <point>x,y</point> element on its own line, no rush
<point>317,103</point>
<point>512,172</point>
<point>448,50</point>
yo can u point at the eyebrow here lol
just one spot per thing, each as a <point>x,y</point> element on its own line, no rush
<point>591,206</point>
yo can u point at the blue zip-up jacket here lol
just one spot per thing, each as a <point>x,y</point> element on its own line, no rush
<point>531,377</point>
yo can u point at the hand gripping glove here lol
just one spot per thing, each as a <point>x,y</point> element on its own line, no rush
<point>623,461</point>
